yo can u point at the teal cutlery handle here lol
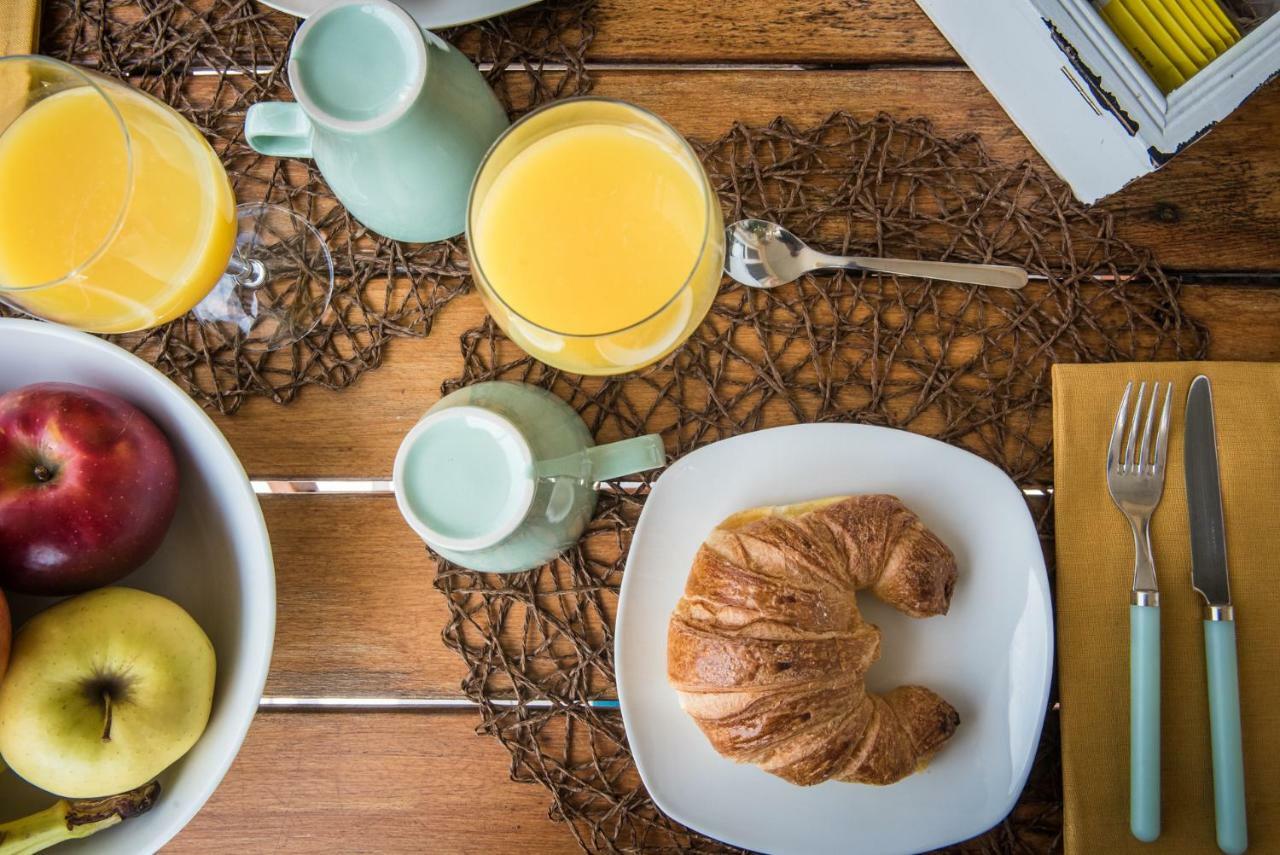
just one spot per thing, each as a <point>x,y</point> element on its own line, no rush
<point>1224,728</point>
<point>1144,722</point>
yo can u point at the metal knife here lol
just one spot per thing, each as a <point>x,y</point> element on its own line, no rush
<point>1209,578</point>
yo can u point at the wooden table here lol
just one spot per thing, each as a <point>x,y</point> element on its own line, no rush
<point>349,754</point>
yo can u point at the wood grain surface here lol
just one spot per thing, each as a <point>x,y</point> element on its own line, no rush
<point>355,432</point>
<point>1213,208</point>
<point>372,782</point>
<point>810,32</point>
<point>358,616</point>
<point>846,33</point>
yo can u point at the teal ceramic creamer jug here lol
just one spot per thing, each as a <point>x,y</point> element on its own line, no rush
<point>395,117</point>
<point>501,476</point>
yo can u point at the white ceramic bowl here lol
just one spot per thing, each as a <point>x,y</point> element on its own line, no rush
<point>215,561</point>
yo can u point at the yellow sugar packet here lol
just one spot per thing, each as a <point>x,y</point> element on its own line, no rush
<point>1226,28</point>
<point>1151,25</point>
<point>1140,46</point>
<point>1200,19</point>
<point>1176,21</point>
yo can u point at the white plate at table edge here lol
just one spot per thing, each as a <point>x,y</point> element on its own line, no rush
<point>430,14</point>
<point>795,486</point>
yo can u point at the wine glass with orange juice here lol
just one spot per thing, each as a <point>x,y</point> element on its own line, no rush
<point>116,215</point>
<point>595,236</point>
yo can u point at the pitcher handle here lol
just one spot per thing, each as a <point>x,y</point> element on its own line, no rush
<point>278,129</point>
<point>606,462</point>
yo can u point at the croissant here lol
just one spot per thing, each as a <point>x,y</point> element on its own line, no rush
<point>767,649</point>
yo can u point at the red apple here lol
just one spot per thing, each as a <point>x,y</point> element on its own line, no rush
<point>88,487</point>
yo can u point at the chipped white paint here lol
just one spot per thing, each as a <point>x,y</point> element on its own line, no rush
<point>1097,144</point>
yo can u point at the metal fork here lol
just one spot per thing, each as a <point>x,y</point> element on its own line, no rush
<point>1136,483</point>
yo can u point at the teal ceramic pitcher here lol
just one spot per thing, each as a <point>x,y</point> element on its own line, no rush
<point>501,476</point>
<point>396,118</point>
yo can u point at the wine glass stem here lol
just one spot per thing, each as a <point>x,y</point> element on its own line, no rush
<point>248,275</point>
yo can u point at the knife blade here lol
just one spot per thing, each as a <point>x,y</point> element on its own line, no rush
<point>1209,577</point>
<point>1204,498</point>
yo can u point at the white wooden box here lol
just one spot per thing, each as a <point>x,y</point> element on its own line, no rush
<point>1086,105</point>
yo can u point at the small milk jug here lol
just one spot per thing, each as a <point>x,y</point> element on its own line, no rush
<point>395,117</point>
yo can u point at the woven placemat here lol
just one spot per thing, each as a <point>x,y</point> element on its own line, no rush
<point>968,366</point>
<point>212,59</point>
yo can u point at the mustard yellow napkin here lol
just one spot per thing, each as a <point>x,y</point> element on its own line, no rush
<point>1094,575</point>
<point>19,26</point>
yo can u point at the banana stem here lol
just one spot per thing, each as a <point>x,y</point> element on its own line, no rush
<point>70,820</point>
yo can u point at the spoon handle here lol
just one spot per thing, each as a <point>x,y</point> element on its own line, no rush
<point>993,275</point>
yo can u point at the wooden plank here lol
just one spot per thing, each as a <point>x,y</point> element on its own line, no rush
<point>791,31</point>
<point>1194,214</point>
<point>373,782</point>
<point>358,616</point>
<point>355,432</point>
<point>1243,323</point>
<point>1215,205</point>
<point>750,31</point>
<point>1211,208</point>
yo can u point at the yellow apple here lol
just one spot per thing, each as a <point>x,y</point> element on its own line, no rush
<point>104,692</point>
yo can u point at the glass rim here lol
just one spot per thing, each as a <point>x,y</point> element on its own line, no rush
<point>708,199</point>
<point>88,78</point>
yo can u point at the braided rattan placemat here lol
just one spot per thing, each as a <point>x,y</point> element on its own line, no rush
<point>969,366</point>
<point>211,59</point>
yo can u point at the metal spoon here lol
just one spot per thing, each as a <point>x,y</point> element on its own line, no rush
<point>765,255</point>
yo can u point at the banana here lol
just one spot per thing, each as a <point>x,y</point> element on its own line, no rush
<point>69,820</point>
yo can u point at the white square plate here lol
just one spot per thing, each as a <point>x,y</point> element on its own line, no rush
<point>991,656</point>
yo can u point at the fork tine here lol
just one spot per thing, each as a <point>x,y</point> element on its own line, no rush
<point>1162,436</point>
<point>1128,463</point>
<point>1144,461</point>
<point>1117,433</point>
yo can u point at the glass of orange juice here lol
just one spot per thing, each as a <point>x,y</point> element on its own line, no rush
<point>595,236</point>
<point>116,216</point>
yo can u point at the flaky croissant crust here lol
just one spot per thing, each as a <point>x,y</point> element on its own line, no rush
<point>767,649</point>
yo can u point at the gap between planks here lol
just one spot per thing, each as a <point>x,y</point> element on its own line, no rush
<point>339,704</point>
<point>295,705</point>
<point>376,487</point>
<point>206,71</point>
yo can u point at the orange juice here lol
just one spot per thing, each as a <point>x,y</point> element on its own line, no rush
<point>105,232</point>
<point>597,240</point>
